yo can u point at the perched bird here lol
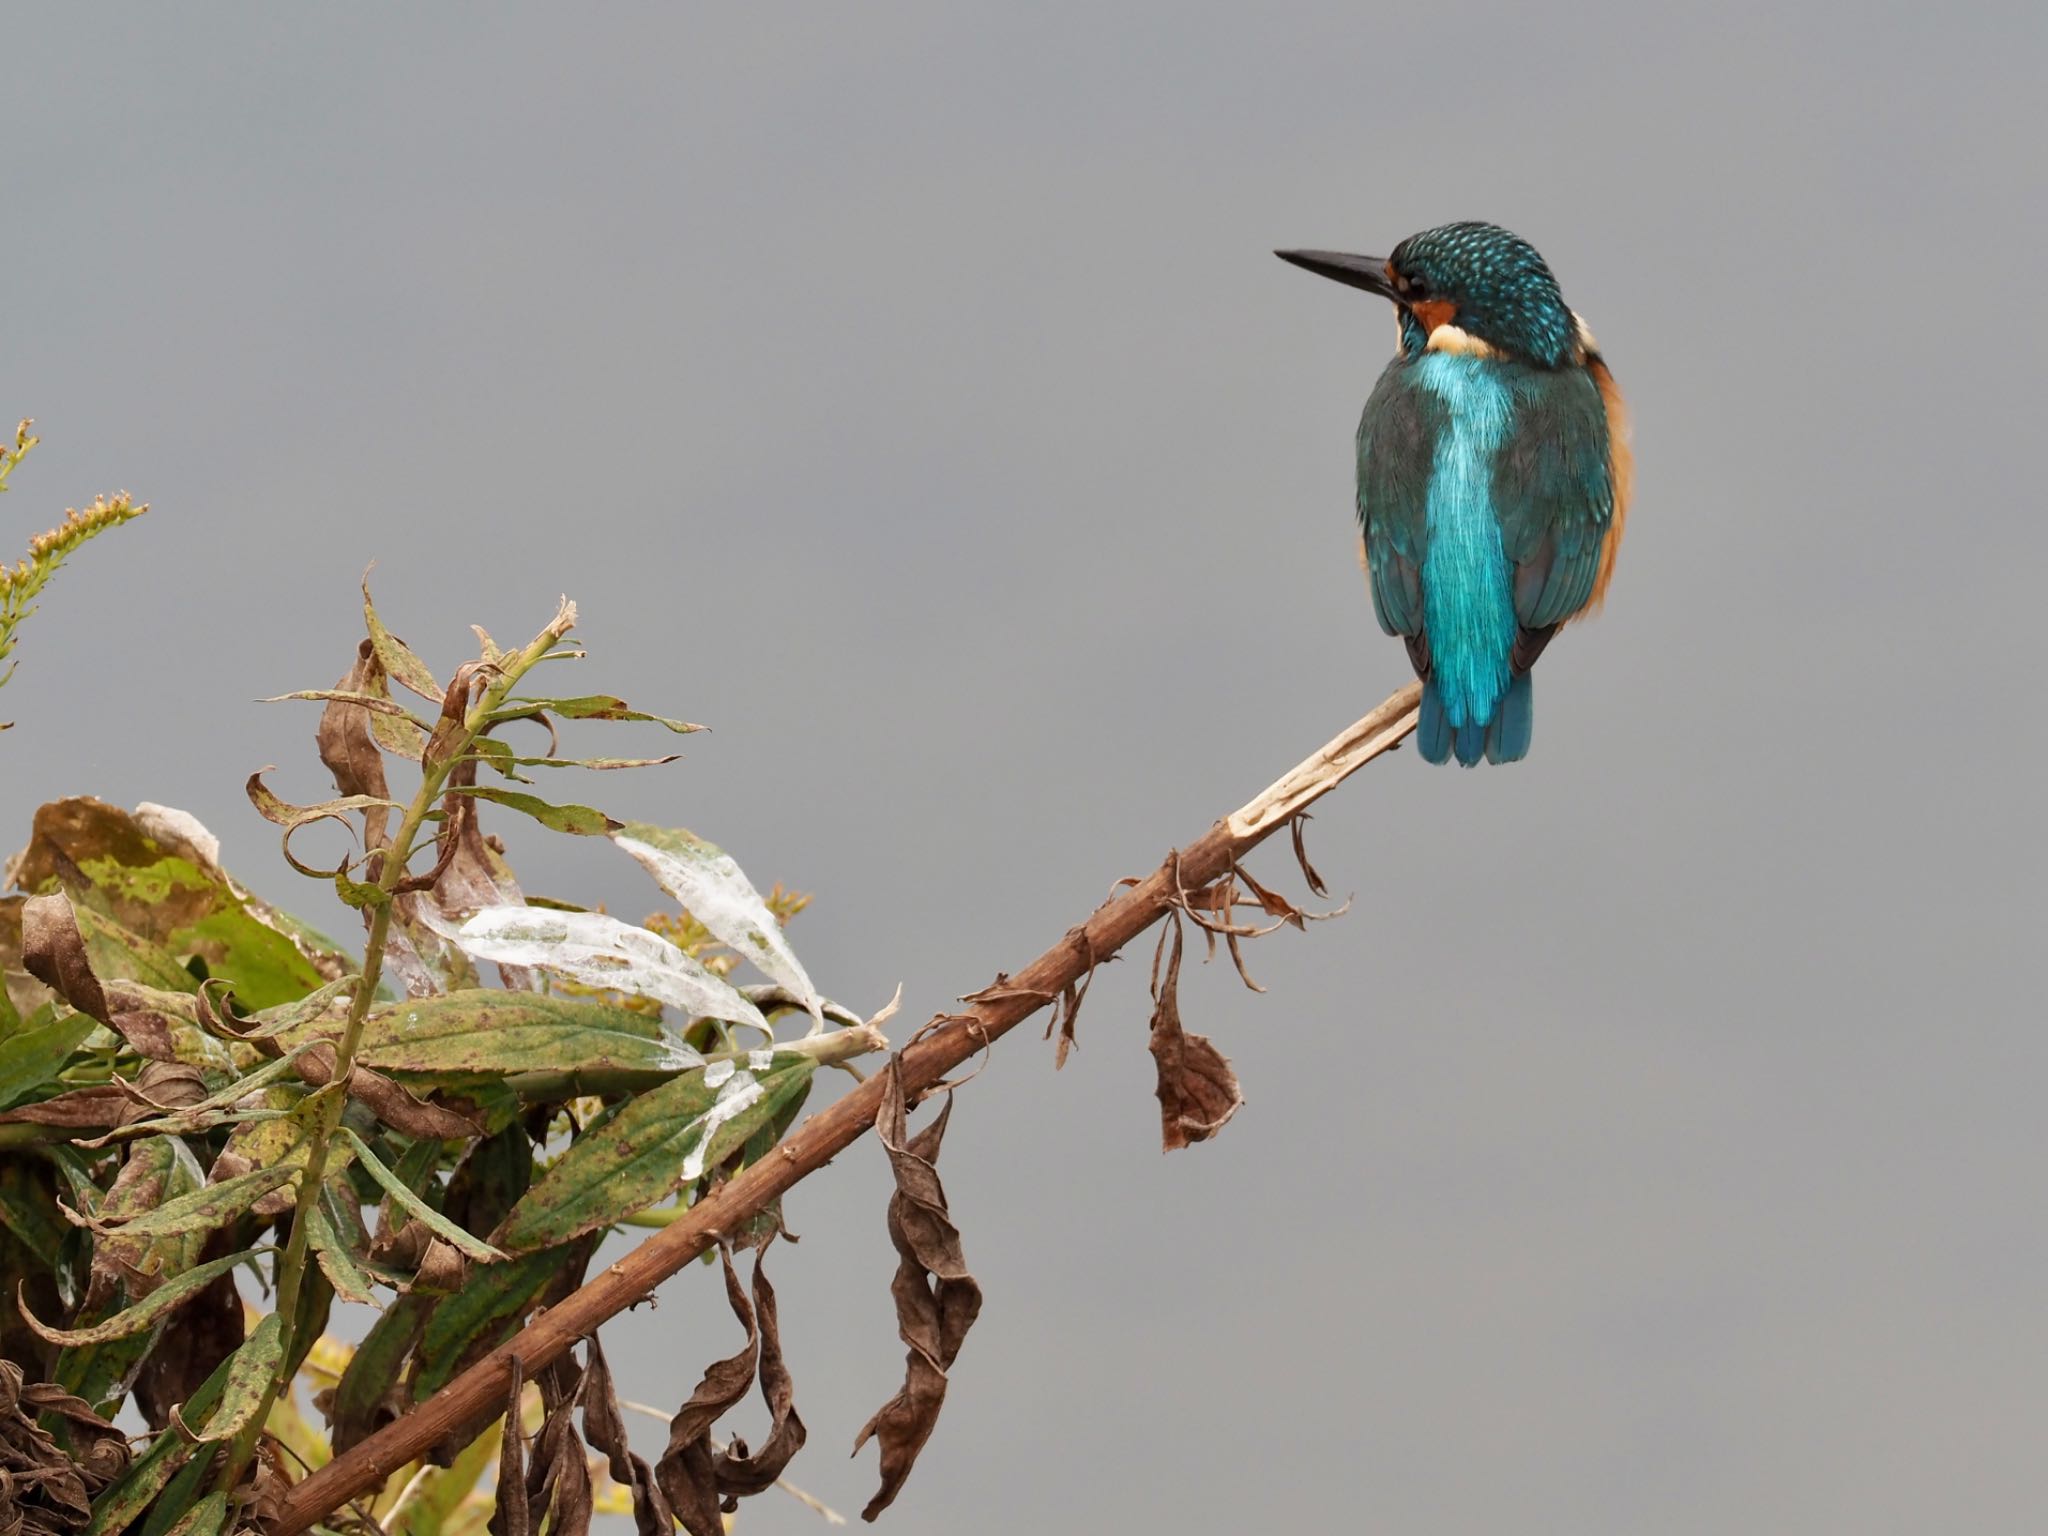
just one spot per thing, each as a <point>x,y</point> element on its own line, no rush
<point>1493,475</point>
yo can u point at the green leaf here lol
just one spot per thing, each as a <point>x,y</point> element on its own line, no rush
<point>497,1171</point>
<point>28,1206</point>
<point>376,1366</point>
<point>340,1242</point>
<point>482,1315</point>
<point>285,1141</point>
<point>182,1494</point>
<point>159,1303</point>
<point>204,1210</point>
<point>250,1372</point>
<point>580,820</point>
<point>484,1032</point>
<point>292,817</point>
<point>661,1138</point>
<point>204,1518</point>
<point>32,1057</point>
<point>375,703</point>
<point>594,706</point>
<point>359,893</point>
<point>123,1500</point>
<point>601,763</point>
<point>498,756</point>
<point>414,1206</point>
<point>119,1503</point>
<point>396,655</point>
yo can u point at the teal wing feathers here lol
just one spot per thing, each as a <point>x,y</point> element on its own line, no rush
<point>1397,440</point>
<point>1553,495</point>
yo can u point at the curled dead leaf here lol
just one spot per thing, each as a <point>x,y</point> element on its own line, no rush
<point>687,1472</point>
<point>558,1490</point>
<point>511,1516</point>
<point>737,1472</point>
<point>42,1489</point>
<point>937,1300</point>
<point>53,951</point>
<point>442,1271</point>
<point>1296,826</point>
<point>604,1427</point>
<point>1198,1092</point>
<point>393,1103</point>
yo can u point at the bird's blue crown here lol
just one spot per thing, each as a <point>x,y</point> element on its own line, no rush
<point>1494,286</point>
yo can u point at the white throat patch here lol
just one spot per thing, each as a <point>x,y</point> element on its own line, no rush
<point>1449,338</point>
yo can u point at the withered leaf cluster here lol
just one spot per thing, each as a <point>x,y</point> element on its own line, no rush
<point>45,1488</point>
<point>695,1482</point>
<point>937,1300</point>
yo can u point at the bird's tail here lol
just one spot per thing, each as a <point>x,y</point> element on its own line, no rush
<point>1503,739</point>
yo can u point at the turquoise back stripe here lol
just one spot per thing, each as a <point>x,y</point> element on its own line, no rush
<point>1467,593</point>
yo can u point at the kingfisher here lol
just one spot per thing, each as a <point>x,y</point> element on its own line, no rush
<point>1493,475</point>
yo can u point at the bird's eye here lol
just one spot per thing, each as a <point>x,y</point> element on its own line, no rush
<point>1414,288</point>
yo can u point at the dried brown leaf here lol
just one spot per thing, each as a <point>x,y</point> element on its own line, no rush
<point>1198,1092</point>
<point>53,951</point>
<point>471,874</point>
<point>558,1475</point>
<point>1068,1008</point>
<point>937,1300</point>
<point>687,1470</point>
<point>512,1517</point>
<point>452,725</point>
<point>165,1086</point>
<point>349,749</point>
<point>42,1488</point>
<point>604,1427</point>
<point>402,1245</point>
<point>81,1109</point>
<point>391,1102</point>
<point>1273,903</point>
<point>1001,990</point>
<point>1314,881</point>
<point>738,1473</point>
<point>442,1270</point>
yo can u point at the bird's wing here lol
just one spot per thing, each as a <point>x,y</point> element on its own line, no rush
<point>1397,439</point>
<point>1553,493</point>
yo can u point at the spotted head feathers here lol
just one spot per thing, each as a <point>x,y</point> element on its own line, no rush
<point>1466,287</point>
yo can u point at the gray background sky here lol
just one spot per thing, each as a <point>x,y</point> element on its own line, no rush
<point>909,393</point>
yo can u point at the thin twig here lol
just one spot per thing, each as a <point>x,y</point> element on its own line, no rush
<point>471,1399</point>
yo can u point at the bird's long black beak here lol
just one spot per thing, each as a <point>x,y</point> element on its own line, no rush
<point>1367,272</point>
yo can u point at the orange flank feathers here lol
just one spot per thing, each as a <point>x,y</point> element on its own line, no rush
<point>1621,470</point>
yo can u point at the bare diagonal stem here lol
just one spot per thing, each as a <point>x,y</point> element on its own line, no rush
<point>474,1397</point>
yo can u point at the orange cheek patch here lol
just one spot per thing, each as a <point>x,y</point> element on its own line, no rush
<point>1433,312</point>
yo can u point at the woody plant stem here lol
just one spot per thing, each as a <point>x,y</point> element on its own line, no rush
<point>478,1394</point>
<point>451,742</point>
